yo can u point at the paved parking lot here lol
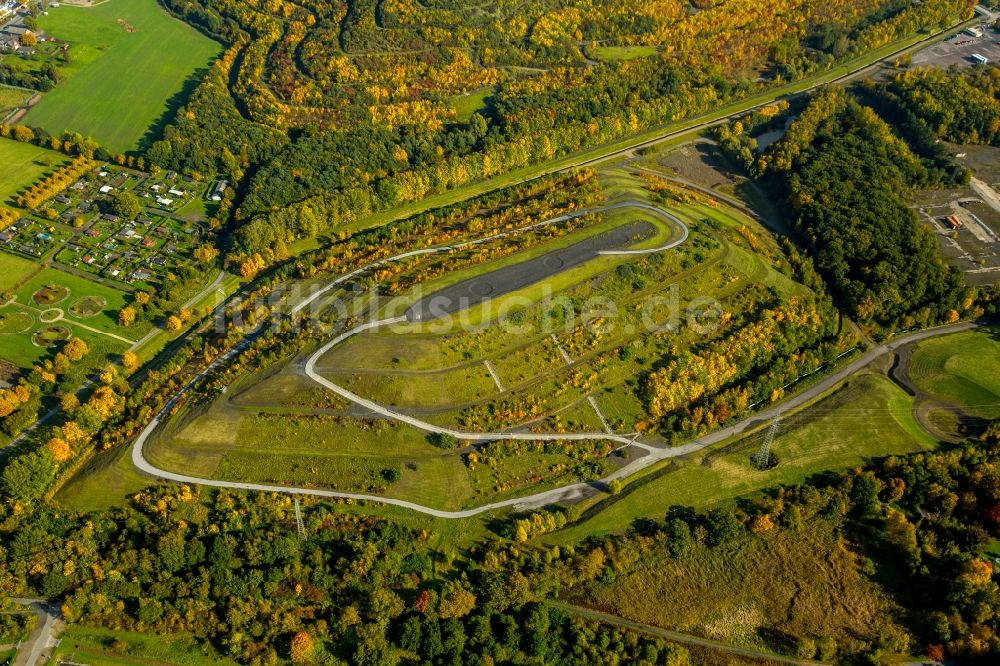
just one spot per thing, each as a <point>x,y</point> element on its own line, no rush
<point>959,49</point>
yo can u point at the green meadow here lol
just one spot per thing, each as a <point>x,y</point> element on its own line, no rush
<point>130,61</point>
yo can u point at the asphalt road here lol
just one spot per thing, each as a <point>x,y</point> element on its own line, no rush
<point>30,654</point>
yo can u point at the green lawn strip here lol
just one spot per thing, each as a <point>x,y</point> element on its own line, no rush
<point>120,82</point>
<point>21,165</point>
<point>620,53</point>
<point>470,103</point>
<point>871,417</point>
<point>93,645</point>
<point>963,368</point>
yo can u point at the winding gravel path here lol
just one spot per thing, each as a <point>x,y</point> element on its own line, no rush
<point>653,455</point>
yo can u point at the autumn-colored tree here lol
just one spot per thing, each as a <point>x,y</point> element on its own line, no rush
<point>252,266</point>
<point>73,433</point>
<point>104,402</point>
<point>895,489</point>
<point>281,250</point>
<point>75,349</point>
<point>174,324</point>
<point>141,298</point>
<point>520,534</point>
<point>29,39</point>
<point>456,602</point>
<point>206,254</point>
<point>301,648</point>
<point>68,402</point>
<point>126,316</point>
<point>762,523</point>
<point>60,449</point>
<point>130,362</point>
<point>11,399</point>
<point>422,602</point>
<point>23,134</point>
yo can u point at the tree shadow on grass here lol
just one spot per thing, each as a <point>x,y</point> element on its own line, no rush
<point>155,131</point>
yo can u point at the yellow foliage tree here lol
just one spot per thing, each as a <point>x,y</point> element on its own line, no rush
<point>301,648</point>
<point>60,449</point>
<point>76,349</point>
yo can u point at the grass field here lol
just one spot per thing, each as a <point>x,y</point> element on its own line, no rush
<point>106,480</point>
<point>15,270</point>
<point>620,53</point>
<point>467,105</point>
<point>120,83</point>
<point>867,417</point>
<point>21,164</point>
<point>93,645</point>
<point>805,583</point>
<point>963,368</point>
<point>12,98</point>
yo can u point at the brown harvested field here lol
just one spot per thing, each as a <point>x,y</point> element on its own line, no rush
<point>757,592</point>
<point>700,163</point>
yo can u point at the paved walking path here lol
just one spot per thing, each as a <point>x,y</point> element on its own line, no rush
<point>44,634</point>
<point>571,491</point>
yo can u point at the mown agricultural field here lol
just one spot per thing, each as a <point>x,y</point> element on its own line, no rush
<point>130,61</point>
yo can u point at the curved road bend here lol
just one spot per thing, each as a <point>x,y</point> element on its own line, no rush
<point>628,203</point>
<point>537,499</point>
<point>571,491</point>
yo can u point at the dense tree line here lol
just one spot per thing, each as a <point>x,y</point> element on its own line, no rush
<point>41,79</point>
<point>231,570</point>
<point>381,76</point>
<point>961,106</point>
<point>845,174</point>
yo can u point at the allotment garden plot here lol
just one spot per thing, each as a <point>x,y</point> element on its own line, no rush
<point>73,256</point>
<point>79,227</point>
